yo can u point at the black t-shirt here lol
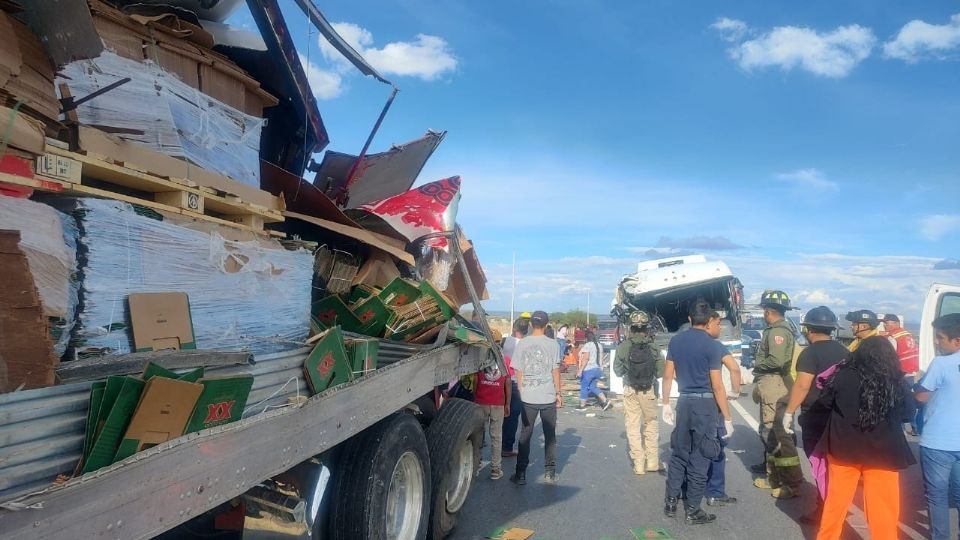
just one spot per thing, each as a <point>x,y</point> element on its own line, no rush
<point>815,359</point>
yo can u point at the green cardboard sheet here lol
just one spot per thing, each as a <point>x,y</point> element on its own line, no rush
<point>372,314</point>
<point>399,292</point>
<point>327,365</point>
<point>153,370</point>
<point>442,301</point>
<point>361,292</point>
<point>331,311</point>
<point>93,416</point>
<point>363,355</point>
<point>221,402</point>
<point>106,444</point>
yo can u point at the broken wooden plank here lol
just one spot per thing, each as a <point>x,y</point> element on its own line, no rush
<point>127,364</point>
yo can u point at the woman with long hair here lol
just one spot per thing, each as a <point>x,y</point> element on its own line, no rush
<point>590,371</point>
<point>864,439</point>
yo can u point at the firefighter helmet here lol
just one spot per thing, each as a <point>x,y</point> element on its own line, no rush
<point>775,299</point>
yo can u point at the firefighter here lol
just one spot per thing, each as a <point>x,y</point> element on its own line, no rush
<point>863,324</point>
<point>771,375</point>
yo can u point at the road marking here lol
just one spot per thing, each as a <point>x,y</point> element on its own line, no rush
<point>854,509</point>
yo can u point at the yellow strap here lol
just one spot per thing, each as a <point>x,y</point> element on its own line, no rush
<point>793,461</point>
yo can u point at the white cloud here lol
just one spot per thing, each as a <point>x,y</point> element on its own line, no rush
<point>936,226</point>
<point>829,54</point>
<point>918,39</point>
<point>731,30</point>
<point>818,297</point>
<point>813,178</point>
<point>427,57</point>
<point>325,84</point>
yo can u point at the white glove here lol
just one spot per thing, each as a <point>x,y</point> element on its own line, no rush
<point>728,427</point>
<point>669,417</point>
<point>788,423</point>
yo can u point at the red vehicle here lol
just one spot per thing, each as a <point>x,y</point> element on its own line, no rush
<point>609,333</point>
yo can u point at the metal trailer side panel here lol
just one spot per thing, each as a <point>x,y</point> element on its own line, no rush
<point>155,490</point>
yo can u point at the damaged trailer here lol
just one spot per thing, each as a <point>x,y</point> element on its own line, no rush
<point>158,235</point>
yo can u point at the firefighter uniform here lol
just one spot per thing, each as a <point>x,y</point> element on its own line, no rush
<point>772,382</point>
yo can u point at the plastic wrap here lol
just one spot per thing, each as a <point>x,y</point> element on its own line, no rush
<point>251,295</point>
<point>158,110</point>
<point>48,239</point>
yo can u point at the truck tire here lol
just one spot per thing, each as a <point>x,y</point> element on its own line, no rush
<point>454,439</point>
<point>382,489</point>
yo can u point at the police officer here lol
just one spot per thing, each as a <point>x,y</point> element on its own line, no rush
<point>771,376</point>
<point>639,397</point>
<point>695,358</point>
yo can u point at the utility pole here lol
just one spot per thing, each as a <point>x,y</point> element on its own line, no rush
<point>588,306</point>
<point>513,288</point>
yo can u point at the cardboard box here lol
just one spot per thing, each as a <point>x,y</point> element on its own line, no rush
<point>327,365</point>
<point>161,321</point>
<point>373,315</point>
<point>378,271</point>
<point>25,133</point>
<point>153,370</point>
<point>221,402</point>
<point>162,415</point>
<point>26,72</point>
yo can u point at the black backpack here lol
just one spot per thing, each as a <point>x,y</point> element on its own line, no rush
<point>642,366</point>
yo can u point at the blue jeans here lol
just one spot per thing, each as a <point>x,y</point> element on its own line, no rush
<point>941,471</point>
<point>716,475</point>
<point>588,383</point>
<point>511,422</point>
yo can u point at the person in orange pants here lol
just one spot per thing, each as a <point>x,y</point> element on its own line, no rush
<point>881,499</point>
<point>868,404</point>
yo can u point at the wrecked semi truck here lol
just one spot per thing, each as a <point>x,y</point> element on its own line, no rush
<point>196,339</point>
<point>666,288</point>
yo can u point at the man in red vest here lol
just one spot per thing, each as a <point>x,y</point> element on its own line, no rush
<point>907,350</point>
<point>906,346</point>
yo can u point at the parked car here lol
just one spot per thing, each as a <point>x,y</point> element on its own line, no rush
<point>609,334</point>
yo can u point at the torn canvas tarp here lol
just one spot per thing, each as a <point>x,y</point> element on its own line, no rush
<point>250,295</point>
<point>378,176</point>
<point>428,209</point>
<point>161,112</point>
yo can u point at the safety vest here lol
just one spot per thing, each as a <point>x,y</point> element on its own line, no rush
<point>907,350</point>
<point>856,342</point>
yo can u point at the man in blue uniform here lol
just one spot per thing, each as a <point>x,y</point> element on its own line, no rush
<point>694,358</point>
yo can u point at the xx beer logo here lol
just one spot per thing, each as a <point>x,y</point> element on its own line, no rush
<point>366,315</point>
<point>219,412</point>
<point>325,365</point>
<point>327,316</point>
<point>399,299</point>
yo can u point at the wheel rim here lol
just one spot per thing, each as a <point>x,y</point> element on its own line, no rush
<point>405,498</point>
<point>461,478</point>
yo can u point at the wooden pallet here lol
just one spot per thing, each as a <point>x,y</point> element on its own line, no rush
<point>62,171</point>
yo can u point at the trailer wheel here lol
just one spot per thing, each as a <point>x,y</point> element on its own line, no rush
<point>454,439</point>
<point>383,485</point>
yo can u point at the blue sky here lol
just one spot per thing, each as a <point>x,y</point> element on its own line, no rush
<point>816,144</point>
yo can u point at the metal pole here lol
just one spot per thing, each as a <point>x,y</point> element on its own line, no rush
<point>513,288</point>
<point>588,307</point>
<point>366,145</point>
<point>477,308</point>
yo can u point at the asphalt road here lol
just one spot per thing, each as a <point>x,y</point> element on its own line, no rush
<point>599,497</point>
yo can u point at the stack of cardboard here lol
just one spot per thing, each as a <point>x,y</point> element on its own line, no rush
<point>131,414</point>
<point>26,73</point>
<point>183,99</point>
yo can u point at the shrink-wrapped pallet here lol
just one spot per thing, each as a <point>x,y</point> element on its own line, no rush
<point>249,295</point>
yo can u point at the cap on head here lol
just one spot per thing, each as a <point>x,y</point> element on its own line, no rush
<point>539,318</point>
<point>890,317</point>
<point>525,315</point>
<point>863,316</point>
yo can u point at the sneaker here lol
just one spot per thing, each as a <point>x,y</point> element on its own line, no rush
<point>551,476</point>
<point>519,478</point>
<point>638,468</point>
<point>670,506</point>
<point>784,492</point>
<point>721,501</point>
<point>696,516</point>
<point>582,408</point>
<point>496,473</point>
<point>606,405</point>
